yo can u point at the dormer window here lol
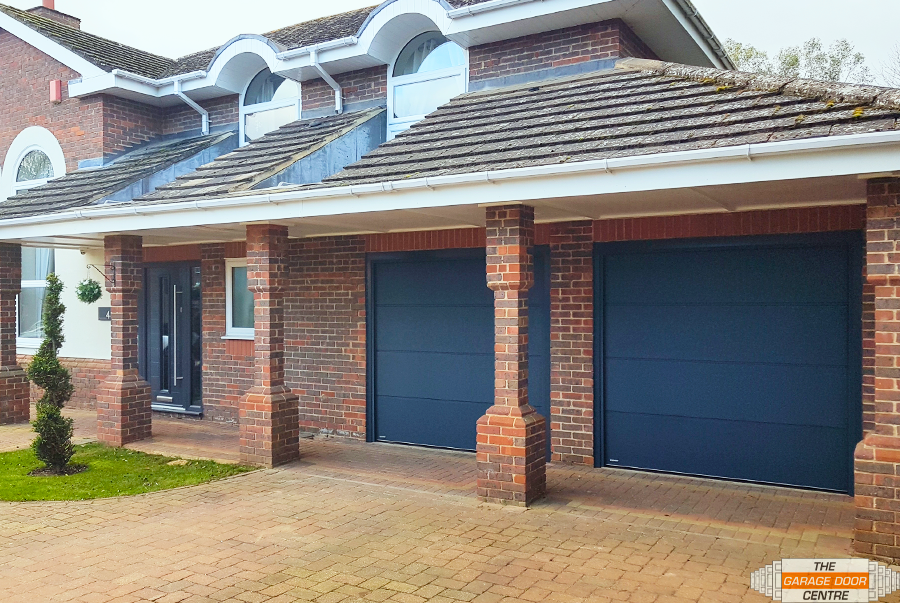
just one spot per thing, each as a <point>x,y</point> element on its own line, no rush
<point>269,102</point>
<point>35,169</point>
<point>428,72</point>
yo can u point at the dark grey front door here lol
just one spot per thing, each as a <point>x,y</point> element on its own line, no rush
<point>173,336</point>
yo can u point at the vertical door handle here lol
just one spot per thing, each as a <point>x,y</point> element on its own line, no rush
<point>175,294</point>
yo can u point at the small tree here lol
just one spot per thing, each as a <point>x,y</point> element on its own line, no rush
<point>840,62</point>
<point>53,445</point>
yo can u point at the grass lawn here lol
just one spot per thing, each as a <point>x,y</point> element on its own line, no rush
<point>110,472</point>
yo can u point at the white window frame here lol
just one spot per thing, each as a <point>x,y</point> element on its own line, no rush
<point>16,186</point>
<point>396,125</point>
<point>232,332</point>
<point>33,138</point>
<point>30,342</point>
<point>247,110</point>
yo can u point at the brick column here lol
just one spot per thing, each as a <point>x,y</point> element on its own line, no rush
<point>572,342</point>
<point>14,387</point>
<point>123,401</point>
<point>877,458</point>
<point>511,444</point>
<point>269,412</point>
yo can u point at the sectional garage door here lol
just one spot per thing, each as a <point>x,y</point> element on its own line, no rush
<point>737,359</point>
<point>433,346</point>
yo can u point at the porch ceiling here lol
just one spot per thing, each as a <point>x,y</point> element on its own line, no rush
<point>836,190</point>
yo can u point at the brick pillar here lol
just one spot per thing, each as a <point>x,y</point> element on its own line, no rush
<point>269,412</point>
<point>123,401</point>
<point>511,448</point>
<point>14,388</point>
<point>877,457</point>
<point>572,342</point>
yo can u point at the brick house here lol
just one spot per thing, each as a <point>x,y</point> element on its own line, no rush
<point>554,231</point>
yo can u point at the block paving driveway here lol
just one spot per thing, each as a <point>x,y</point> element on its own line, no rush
<point>369,522</point>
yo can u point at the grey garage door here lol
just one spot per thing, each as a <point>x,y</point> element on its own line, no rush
<point>432,342</point>
<point>737,359</point>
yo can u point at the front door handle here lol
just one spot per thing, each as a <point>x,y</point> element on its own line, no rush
<point>175,294</point>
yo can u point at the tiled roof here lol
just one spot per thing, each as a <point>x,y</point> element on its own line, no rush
<point>332,27</point>
<point>109,55</point>
<point>103,53</point>
<point>260,160</point>
<point>197,61</point>
<point>89,186</point>
<point>640,108</point>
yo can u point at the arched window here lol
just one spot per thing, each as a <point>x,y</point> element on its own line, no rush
<point>34,169</point>
<point>269,102</point>
<point>428,72</point>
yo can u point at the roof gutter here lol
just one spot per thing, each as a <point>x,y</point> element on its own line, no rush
<point>689,17</point>
<point>608,167</point>
<point>468,11</point>
<point>204,114</point>
<point>304,50</point>
<point>338,91</point>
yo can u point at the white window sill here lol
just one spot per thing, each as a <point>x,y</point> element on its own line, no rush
<point>238,337</point>
<point>28,344</point>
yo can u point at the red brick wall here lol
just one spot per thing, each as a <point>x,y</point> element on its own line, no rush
<point>87,375</point>
<point>25,76</point>
<point>572,342</point>
<point>358,86</point>
<point>559,48</point>
<point>868,374</point>
<point>127,123</point>
<point>877,457</point>
<point>181,118</point>
<point>325,333</point>
<point>774,221</point>
<point>457,238</point>
<point>227,369</point>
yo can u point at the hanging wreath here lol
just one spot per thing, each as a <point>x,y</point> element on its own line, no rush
<point>89,291</point>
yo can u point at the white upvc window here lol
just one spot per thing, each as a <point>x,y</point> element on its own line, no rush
<point>34,169</point>
<point>428,72</point>
<point>238,301</point>
<point>269,102</point>
<point>36,265</point>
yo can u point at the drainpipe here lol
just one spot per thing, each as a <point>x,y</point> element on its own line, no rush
<point>338,92</point>
<point>204,114</point>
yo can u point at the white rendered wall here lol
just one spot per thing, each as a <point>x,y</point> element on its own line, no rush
<point>86,337</point>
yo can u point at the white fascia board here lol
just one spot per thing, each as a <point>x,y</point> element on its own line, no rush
<point>768,162</point>
<point>49,47</point>
<point>116,80</point>
<point>699,38</point>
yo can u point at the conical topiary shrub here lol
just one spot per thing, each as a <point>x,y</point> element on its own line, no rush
<point>53,445</point>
